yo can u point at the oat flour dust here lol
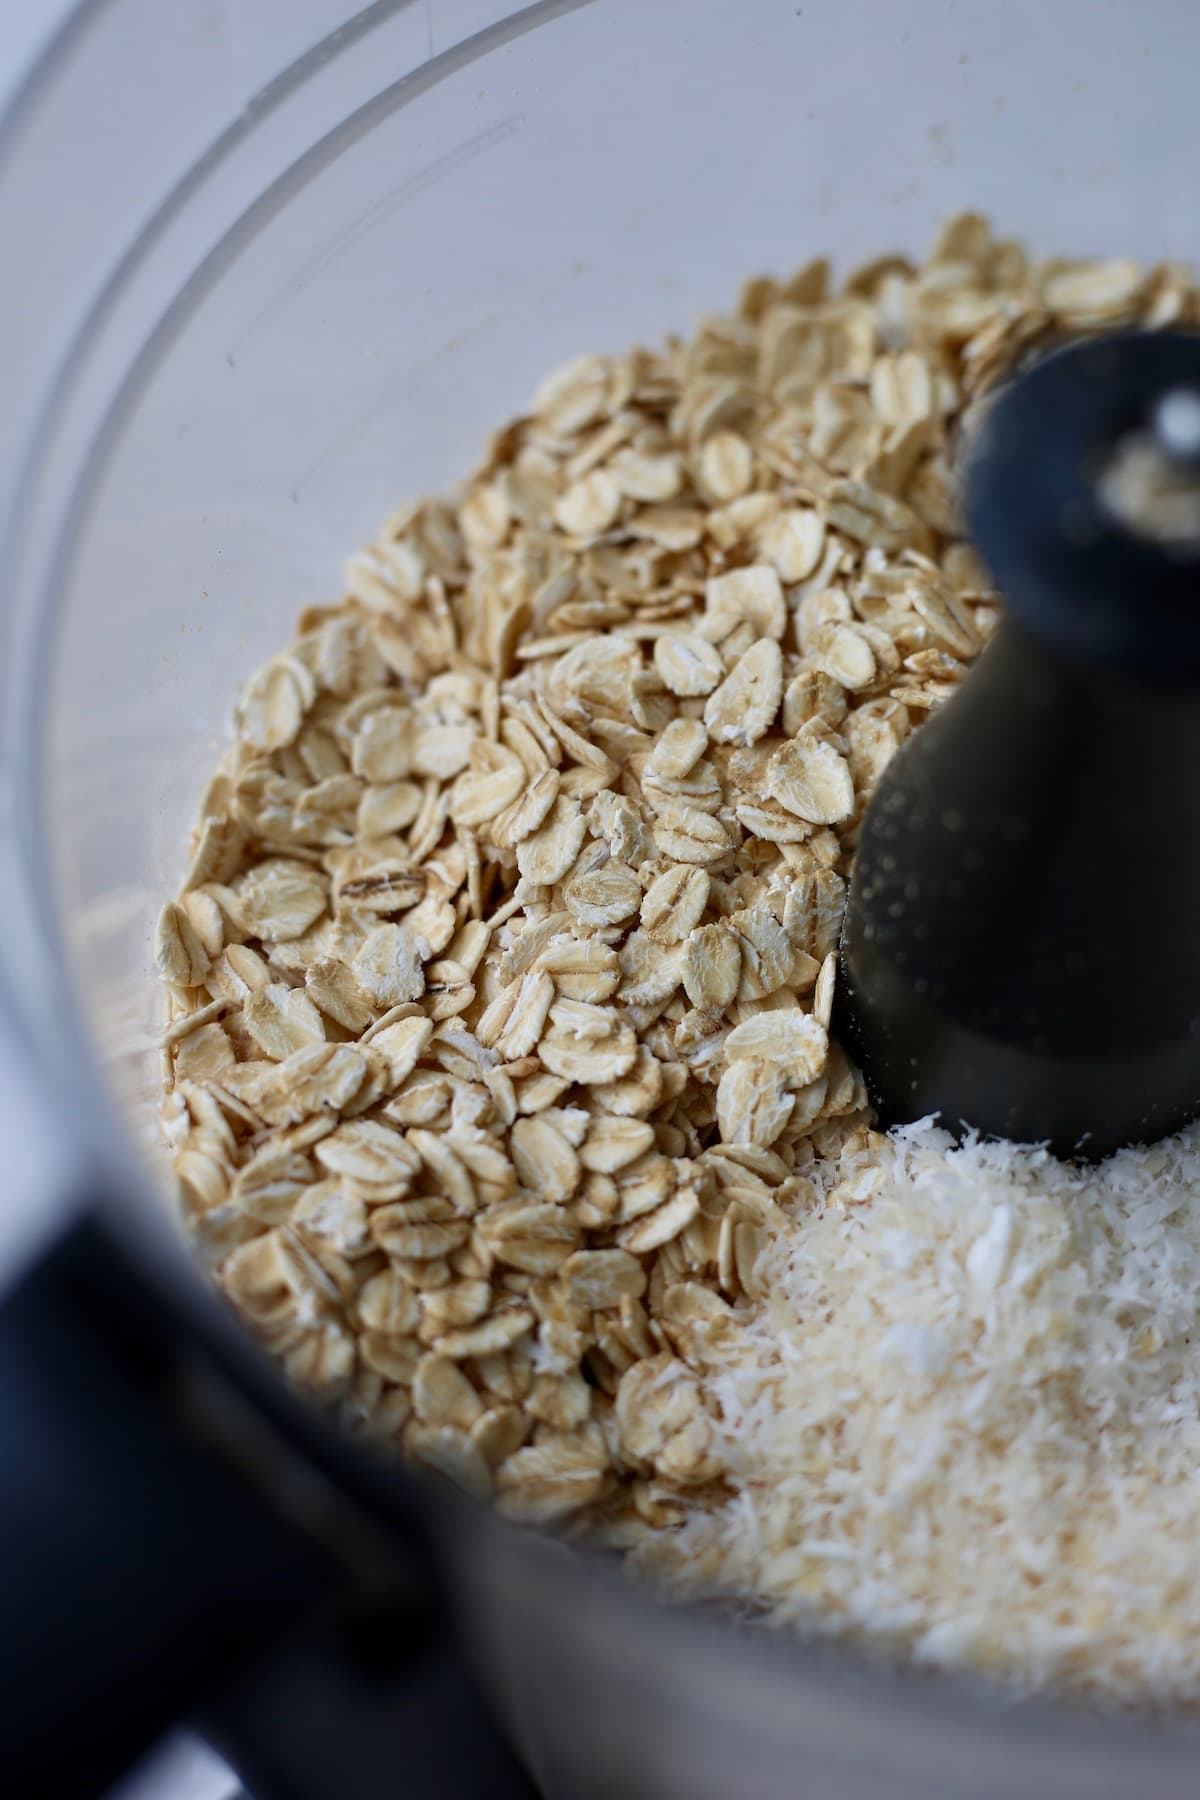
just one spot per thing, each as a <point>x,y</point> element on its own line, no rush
<point>499,1079</point>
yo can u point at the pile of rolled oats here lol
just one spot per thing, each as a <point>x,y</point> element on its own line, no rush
<point>500,982</point>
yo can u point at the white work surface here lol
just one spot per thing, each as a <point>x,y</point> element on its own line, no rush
<point>182,1769</point>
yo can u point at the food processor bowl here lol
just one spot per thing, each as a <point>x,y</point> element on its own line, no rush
<point>275,265</point>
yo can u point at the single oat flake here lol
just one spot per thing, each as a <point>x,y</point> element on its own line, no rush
<point>501,1091</point>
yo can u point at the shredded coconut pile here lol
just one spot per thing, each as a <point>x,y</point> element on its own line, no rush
<point>963,1420</point>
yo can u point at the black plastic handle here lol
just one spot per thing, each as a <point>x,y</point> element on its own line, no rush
<point>169,1551</point>
<point>137,1568</point>
<point>386,1710</point>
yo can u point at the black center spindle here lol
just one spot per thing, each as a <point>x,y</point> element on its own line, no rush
<point>1021,951</point>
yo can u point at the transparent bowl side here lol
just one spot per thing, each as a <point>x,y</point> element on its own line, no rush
<point>338,279</point>
<point>366,237</point>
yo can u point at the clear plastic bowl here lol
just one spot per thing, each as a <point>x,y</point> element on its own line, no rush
<point>273,265</point>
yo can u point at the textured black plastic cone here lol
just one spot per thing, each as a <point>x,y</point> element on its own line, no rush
<point>1021,951</point>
